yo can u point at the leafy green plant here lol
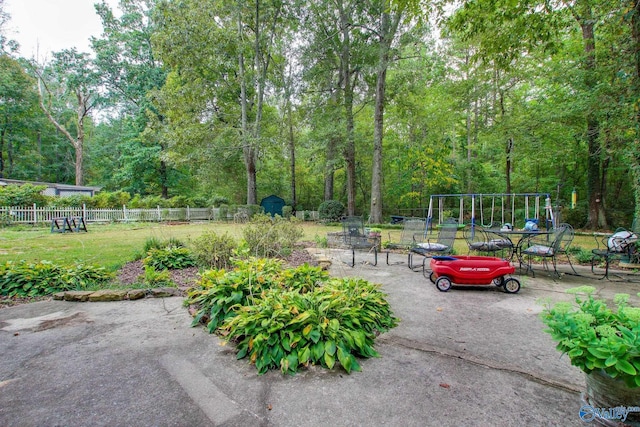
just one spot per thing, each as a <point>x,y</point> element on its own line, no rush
<point>321,241</point>
<point>214,250</point>
<point>153,278</point>
<point>171,258</point>
<point>23,279</point>
<point>595,337</point>
<point>583,256</point>
<point>331,210</point>
<point>287,319</point>
<point>271,237</point>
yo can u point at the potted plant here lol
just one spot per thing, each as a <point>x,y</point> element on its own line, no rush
<point>375,232</point>
<point>605,344</point>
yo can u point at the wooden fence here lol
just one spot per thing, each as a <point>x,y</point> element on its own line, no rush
<point>38,214</point>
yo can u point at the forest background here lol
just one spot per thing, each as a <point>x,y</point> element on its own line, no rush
<point>375,103</point>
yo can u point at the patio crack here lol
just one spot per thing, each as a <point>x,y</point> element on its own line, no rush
<point>427,348</point>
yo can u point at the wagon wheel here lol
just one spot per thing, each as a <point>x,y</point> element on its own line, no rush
<point>443,283</point>
<point>498,281</point>
<point>433,277</point>
<point>511,285</point>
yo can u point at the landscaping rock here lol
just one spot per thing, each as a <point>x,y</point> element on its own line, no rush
<point>78,296</point>
<point>164,292</point>
<point>134,294</point>
<point>59,296</point>
<point>108,295</point>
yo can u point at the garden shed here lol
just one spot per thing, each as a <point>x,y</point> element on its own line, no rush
<point>273,205</point>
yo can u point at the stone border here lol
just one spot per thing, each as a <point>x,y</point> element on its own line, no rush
<point>116,294</point>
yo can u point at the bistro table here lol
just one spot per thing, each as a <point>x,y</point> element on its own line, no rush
<point>522,236</point>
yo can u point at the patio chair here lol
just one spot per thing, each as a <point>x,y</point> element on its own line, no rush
<point>355,238</point>
<point>412,232</point>
<point>487,242</point>
<point>544,246</point>
<point>567,239</point>
<point>443,245</point>
<point>617,246</point>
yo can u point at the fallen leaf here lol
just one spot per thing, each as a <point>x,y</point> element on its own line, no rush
<point>269,407</point>
<point>439,309</point>
<point>445,385</point>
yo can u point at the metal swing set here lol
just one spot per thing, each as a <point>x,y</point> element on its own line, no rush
<point>503,208</point>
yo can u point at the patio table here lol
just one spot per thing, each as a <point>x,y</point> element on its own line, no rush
<point>522,236</point>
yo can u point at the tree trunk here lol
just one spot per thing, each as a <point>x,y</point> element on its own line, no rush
<point>388,29</point>
<point>634,152</point>
<point>595,193</point>
<point>2,135</point>
<point>329,169</point>
<point>350,145</point>
<point>292,157</point>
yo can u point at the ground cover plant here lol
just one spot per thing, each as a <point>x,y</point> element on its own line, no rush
<point>291,318</point>
<point>33,279</point>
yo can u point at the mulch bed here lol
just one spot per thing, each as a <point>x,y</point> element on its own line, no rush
<point>184,278</point>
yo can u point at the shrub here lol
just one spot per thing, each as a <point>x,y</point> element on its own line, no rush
<point>153,278</point>
<point>22,195</point>
<point>287,319</point>
<point>269,237</point>
<point>23,279</point>
<point>331,210</point>
<point>213,250</point>
<point>169,258</point>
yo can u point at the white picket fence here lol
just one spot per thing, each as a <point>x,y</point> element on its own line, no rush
<point>37,214</point>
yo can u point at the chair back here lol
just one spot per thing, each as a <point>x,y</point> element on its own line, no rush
<point>413,231</point>
<point>353,230</point>
<point>447,234</point>
<point>566,237</point>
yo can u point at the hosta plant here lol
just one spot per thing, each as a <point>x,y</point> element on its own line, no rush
<point>31,279</point>
<point>596,337</point>
<point>169,258</point>
<point>288,318</point>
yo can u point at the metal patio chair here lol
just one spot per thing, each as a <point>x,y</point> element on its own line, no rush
<point>356,238</point>
<point>621,245</point>
<point>443,245</point>
<point>545,246</point>
<point>486,242</point>
<point>412,232</point>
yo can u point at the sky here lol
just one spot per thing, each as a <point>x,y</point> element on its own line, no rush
<point>43,26</point>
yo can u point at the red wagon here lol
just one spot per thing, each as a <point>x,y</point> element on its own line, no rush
<point>472,270</point>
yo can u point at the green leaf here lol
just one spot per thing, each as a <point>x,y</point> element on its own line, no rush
<point>611,360</point>
<point>329,360</point>
<point>626,367</point>
<point>317,351</point>
<point>330,347</point>
<point>601,354</point>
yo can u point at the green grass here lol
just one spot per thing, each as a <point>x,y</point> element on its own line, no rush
<point>111,245</point>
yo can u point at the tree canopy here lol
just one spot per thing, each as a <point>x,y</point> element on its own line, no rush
<point>376,104</point>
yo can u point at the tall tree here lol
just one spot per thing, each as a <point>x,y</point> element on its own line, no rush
<point>388,23</point>
<point>130,71</point>
<point>70,82</point>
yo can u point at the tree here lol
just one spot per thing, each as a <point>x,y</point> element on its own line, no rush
<point>130,71</point>
<point>199,41</point>
<point>70,81</point>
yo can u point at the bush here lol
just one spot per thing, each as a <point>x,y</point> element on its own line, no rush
<point>269,237</point>
<point>22,195</point>
<point>23,279</point>
<point>287,319</point>
<point>169,258</point>
<point>153,278</point>
<point>331,210</point>
<point>214,250</point>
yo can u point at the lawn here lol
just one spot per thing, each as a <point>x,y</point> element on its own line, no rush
<point>112,245</point>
